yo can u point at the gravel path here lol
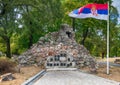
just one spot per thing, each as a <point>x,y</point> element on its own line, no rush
<point>72,78</point>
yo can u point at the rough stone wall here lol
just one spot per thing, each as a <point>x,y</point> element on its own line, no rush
<point>54,43</point>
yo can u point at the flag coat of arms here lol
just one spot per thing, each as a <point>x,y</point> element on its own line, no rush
<point>98,11</point>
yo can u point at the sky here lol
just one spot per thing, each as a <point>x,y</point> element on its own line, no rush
<point>116,3</point>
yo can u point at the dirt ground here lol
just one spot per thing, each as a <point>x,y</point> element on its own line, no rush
<point>27,72</point>
<point>114,71</point>
<point>102,72</point>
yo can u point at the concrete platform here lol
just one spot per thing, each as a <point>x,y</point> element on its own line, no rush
<point>61,69</point>
<point>72,78</point>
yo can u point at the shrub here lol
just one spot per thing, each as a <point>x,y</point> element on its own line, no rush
<point>6,65</point>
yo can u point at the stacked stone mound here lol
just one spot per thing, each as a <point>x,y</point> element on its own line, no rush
<point>54,43</point>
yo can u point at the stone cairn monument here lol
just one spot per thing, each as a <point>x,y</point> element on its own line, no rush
<point>55,43</point>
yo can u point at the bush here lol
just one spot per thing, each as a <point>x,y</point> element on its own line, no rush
<point>6,65</point>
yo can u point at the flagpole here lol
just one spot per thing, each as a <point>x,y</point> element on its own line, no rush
<point>108,41</point>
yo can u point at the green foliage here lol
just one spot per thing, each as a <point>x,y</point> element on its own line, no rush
<point>2,45</point>
<point>25,21</point>
<point>92,32</point>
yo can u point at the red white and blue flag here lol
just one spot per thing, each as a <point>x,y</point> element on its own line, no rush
<point>98,11</point>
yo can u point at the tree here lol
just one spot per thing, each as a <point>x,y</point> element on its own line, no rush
<point>91,32</point>
<point>7,18</point>
<point>47,17</point>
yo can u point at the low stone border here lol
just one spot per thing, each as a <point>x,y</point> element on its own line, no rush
<point>61,69</point>
<point>31,80</point>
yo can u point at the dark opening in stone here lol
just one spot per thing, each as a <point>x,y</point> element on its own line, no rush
<point>69,34</point>
<point>51,59</point>
<point>68,59</point>
<point>57,64</point>
<point>70,64</point>
<point>61,64</point>
<point>50,64</point>
<point>64,64</point>
<point>65,54</point>
<point>61,55</point>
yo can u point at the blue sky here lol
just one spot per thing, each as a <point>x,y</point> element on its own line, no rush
<point>116,3</point>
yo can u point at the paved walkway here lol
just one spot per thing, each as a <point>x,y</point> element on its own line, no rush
<point>72,78</point>
<point>110,63</point>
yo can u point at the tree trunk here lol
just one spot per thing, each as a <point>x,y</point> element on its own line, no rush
<point>73,23</point>
<point>30,35</point>
<point>30,41</point>
<point>103,55</point>
<point>116,51</point>
<point>8,50</point>
<point>85,33</point>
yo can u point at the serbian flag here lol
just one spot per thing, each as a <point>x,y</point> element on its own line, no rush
<point>98,11</point>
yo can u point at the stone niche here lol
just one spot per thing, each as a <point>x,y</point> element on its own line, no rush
<point>61,60</point>
<point>47,51</point>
